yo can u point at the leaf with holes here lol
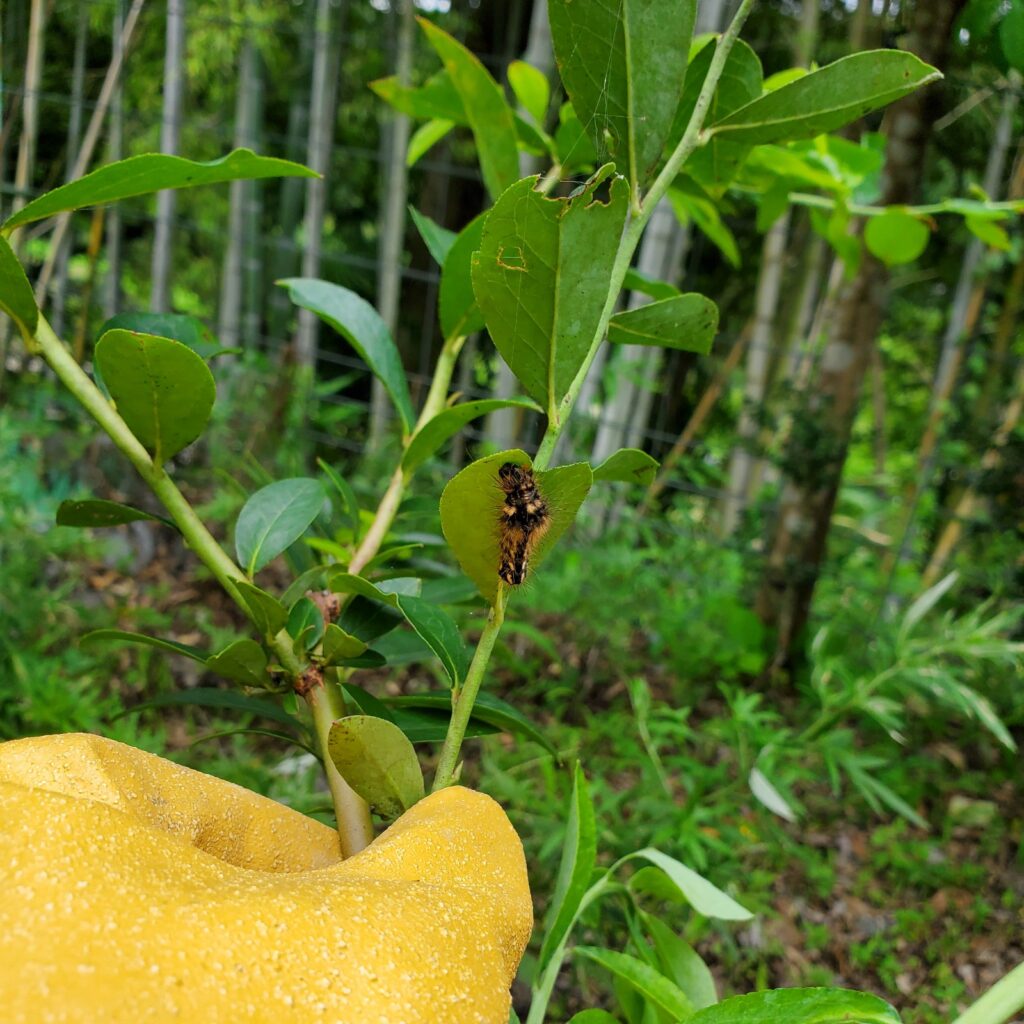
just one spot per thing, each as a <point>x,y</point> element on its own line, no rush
<point>488,112</point>
<point>685,322</point>
<point>378,761</point>
<point>471,505</point>
<point>446,424</point>
<point>274,518</point>
<point>629,466</point>
<point>541,279</point>
<point>16,298</point>
<point>162,389</point>
<point>623,63</point>
<point>152,172</point>
<point>98,512</point>
<point>360,324</point>
<point>828,98</point>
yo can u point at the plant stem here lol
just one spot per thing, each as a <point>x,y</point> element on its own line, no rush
<point>999,1003</point>
<point>692,137</point>
<point>464,697</point>
<point>352,813</point>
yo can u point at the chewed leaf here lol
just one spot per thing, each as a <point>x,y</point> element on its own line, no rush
<point>541,279</point>
<point>471,503</point>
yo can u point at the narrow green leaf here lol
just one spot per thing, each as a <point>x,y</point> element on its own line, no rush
<point>189,330</point>
<point>487,708</point>
<point>378,761</point>
<point>579,855</point>
<point>162,389</point>
<point>799,1006</point>
<point>365,702</point>
<point>244,661</point>
<point>541,278</point>
<point>272,734</point>
<point>767,795</point>
<point>305,624</point>
<point>593,1017</point>
<point>446,424</point>
<point>532,89</point>
<point>314,578</point>
<point>152,172</point>
<point>896,237</point>
<point>489,114</point>
<point>1011,36</point>
<point>637,281</point>
<point>274,518</point>
<point>436,238</point>
<point>425,138</point>
<point>470,512</point>
<point>828,98</point>
<point>100,512</point>
<point>989,232</point>
<point>623,64</point>
<point>681,962</point>
<point>654,987</point>
<point>705,898</point>
<point>685,322</point>
<point>339,581</point>
<point>704,213</point>
<point>439,632</point>
<point>340,646</point>
<point>349,508</point>
<point>124,637</point>
<point>208,697</point>
<point>357,321</point>
<point>268,614</point>
<point>628,465</point>
<point>457,310</point>
<point>16,297</point>
<point>715,163</point>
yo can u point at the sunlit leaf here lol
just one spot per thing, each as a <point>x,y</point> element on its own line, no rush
<point>274,518</point>
<point>627,465</point>
<point>799,1006</point>
<point>644,979</point>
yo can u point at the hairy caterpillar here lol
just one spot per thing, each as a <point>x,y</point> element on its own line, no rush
<point>524,519</point>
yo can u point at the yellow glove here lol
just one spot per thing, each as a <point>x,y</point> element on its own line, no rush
<point>133,889</point>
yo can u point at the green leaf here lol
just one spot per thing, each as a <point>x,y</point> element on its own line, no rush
<point>593,1017</point>
<point>99,512</point>
<point>456,304</point>
<point>681,962</point>
<point>366,702</point>
<point>268,614</point>
<point>435,99</point>
<point>433,434</point>
<point>340,646</point>
<point>704,213</point>
<point>715,163</point>
<point>487,708</point>
<point>16,297</point>
<point>799,1006</point>
<point>340,581</point>
<point>189,330</point>
<point>705,898</point>
<point>686,322</point>
<point>244,661</point>
<point>274,518</point>
<point>623,63</point>
<point>470,510</point>
<point>532,89</point>
<point>208,697</point>
<point>357,321</point>
<point>436,238</point>
<point>378,761</point>
<point>628,465</point>
<point>989,232</point>
<point>305,624</point>
<point>162,389</point>
<point>1011,36</point>
<point>654,987</point>
<point>828,98</point>
<point>124,637</point>
<point>579,855</point>
<point>637,281</point>
<point>767,795</point>
<point>368,619</point>
<point>541,279</point>
<point>439,632</point>
<point>896,237</point>
<point>152,172</point>
<point>271,733</point>
<point>349,510</point>
<point>425,138</point>
<point>489,114</point>
<point>575,151</point>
